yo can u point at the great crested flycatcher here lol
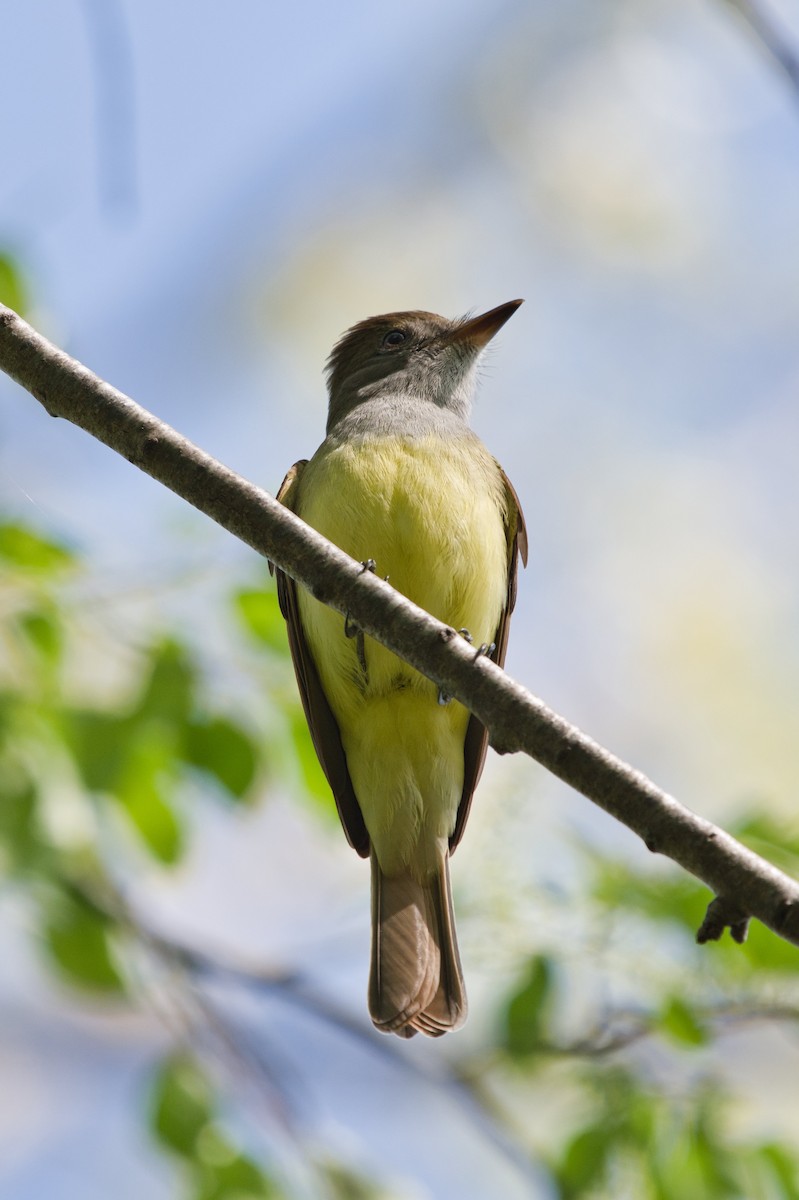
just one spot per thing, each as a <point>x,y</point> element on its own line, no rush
<point>400,479</point>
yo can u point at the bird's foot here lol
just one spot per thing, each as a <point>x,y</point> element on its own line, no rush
<point>351,630</point>
<point>443,698</point>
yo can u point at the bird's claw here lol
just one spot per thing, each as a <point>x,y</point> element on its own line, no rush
<point>351,630</point>
<point>443,698</point>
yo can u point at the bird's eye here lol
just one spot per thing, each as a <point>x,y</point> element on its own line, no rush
<point>394,337</point>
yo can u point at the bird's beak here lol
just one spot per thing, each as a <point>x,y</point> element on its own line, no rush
<point>478,331</point>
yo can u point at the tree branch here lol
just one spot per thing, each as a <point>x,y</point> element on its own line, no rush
<point>746,884</point>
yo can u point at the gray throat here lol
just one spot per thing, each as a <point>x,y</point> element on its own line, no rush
<point>397,414</point>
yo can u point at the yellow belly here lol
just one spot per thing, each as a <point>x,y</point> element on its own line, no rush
<point>432,515</point>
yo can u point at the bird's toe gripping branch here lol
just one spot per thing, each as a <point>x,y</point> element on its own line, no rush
<point>351,630</point>
<point>483,648</point>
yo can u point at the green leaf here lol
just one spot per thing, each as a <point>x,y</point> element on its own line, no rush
<point>259,613</point>
<point>673,899</point>
<point>776,841</point>
<point>18,816</point>
<point>77,937</point>
<point>140,789</point>
<point>766,951</point>
<point>30,551</point>
<point>782,1164</point>
<point>12,288</point>
<point>169,691</point>
<point>44,632</point>
<point>214,1148</point>
<point>182,1111</point>
<point>135,761</point>
<point>681,1025</point>
<point>225,751</point>
<point>181,1105</point>
<point>8,706</point>
<point>100,742</point>
<point>526,1009</point>
<point>156,822</point>
<point>640,1116</point>
<point>584,1162</point>
<point>313,777</point>
<point>714,1161</point>
<point>692,1161</point>
<point>238,1179</point>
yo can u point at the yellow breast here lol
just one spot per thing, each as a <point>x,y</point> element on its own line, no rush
<point>432,513</point>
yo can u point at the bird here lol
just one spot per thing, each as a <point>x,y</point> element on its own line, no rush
<point>402,484</point>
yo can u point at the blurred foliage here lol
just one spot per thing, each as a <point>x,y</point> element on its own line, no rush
<point>78,937</point>
<point>184,1118</point>
<point>526,1010</point>
<point>259,613</point>
<point>641,1144</point>
<point>13,292</point>
<point>78,774</point>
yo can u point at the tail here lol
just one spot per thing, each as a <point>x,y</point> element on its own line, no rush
<point>415,981</point>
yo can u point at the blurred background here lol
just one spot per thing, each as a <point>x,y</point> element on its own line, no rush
<point>196,201</point>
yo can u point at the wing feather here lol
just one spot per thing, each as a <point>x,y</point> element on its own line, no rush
<point>321,722</point>
<point>476,743</point>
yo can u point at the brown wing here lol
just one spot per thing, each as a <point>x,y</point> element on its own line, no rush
<point>321,722</point>
<point>476,744</point>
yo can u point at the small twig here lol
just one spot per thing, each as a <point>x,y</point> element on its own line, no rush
<point>248,1058</point>
<point>723,913</point>
<point>770,38</point>
<point>517,720</point>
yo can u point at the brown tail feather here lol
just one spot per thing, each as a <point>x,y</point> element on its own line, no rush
<point>416,981</point>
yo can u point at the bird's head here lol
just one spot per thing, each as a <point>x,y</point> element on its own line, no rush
<point>414,354</point>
